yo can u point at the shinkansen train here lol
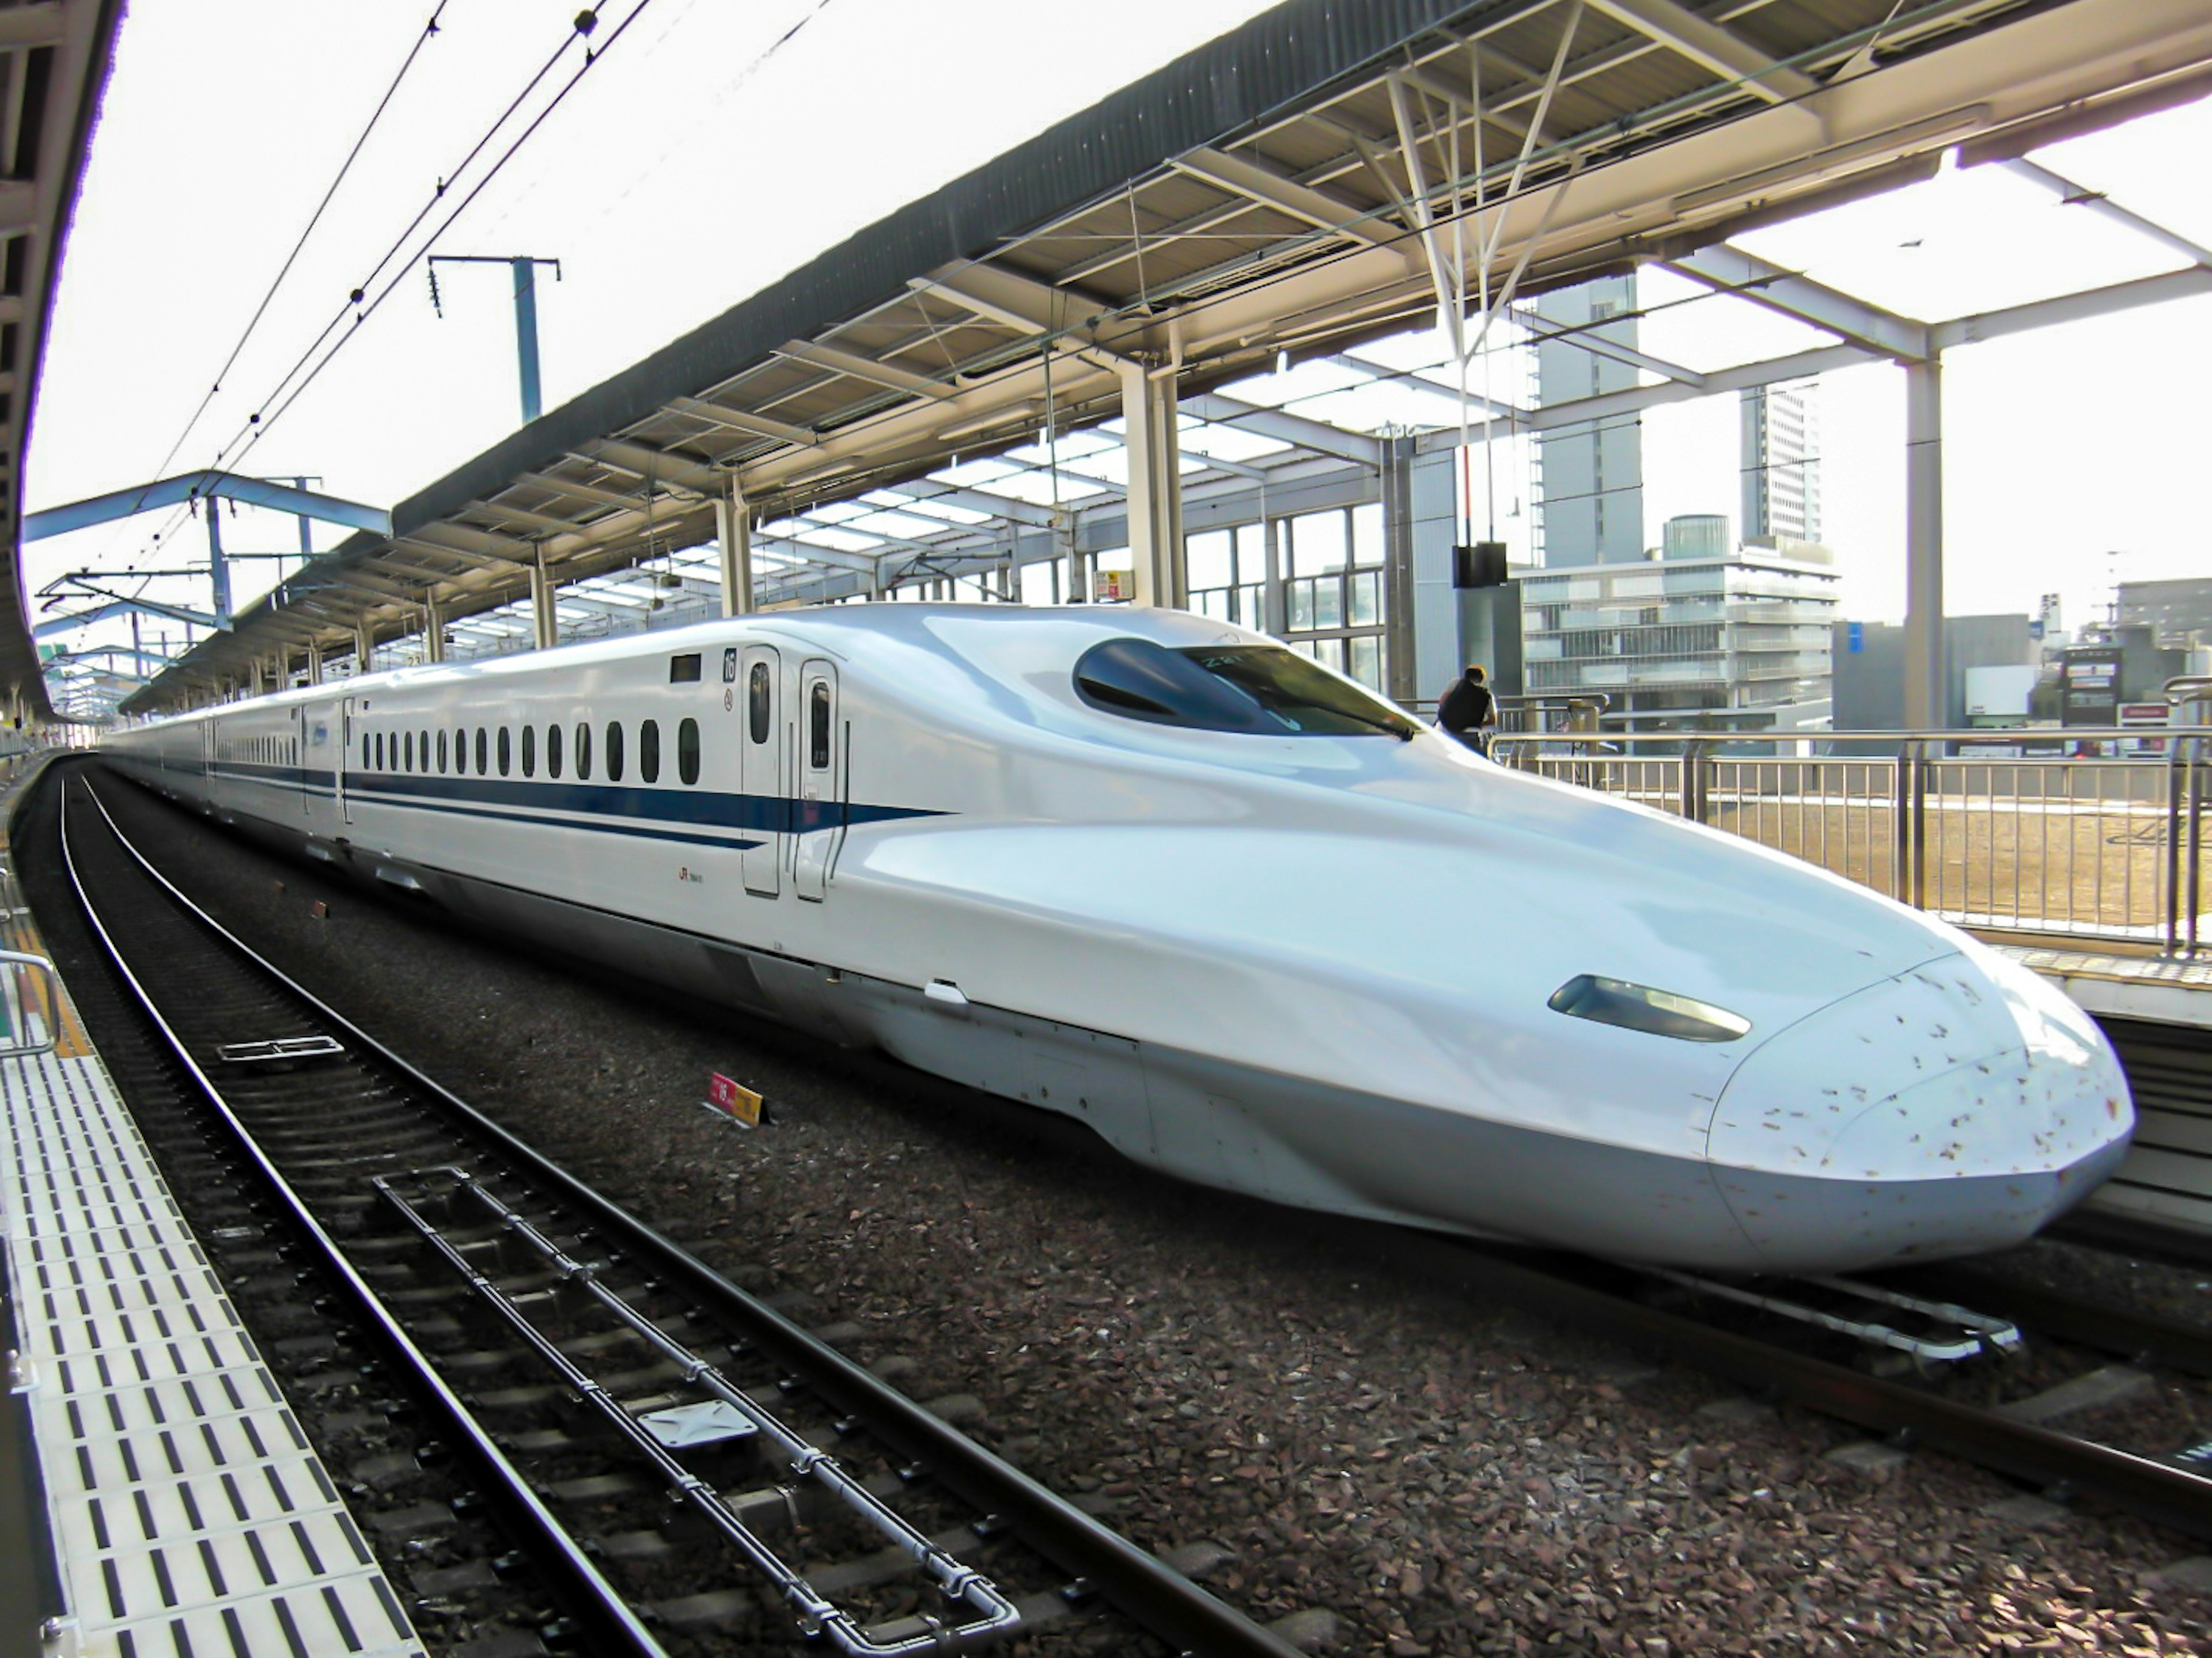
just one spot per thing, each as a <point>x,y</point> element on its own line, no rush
<point>1248,921</point>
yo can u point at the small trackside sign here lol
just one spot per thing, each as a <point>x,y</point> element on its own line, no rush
<point>733,1100</point>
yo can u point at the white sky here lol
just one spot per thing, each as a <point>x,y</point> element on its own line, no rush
<point>685,172</point>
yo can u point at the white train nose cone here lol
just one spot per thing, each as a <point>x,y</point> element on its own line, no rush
<point>1954,1108</point>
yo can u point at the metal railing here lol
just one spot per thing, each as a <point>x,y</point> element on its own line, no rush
<point>2099,838</point>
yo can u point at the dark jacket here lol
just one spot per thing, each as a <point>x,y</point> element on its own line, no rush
<point>1466,708</point>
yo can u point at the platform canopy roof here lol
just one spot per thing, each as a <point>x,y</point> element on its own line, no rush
<point>1327,175</point>
<point>54,58</point>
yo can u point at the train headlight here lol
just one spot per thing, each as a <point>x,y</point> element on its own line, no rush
<point>1640,1007</point>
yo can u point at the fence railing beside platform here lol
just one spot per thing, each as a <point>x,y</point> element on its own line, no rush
<point>1972,826</point>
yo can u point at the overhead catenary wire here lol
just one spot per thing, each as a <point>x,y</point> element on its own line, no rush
<point>428,32</point>
<point>257,423</point>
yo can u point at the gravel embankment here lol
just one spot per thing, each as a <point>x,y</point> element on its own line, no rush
<point>1444,1477</point>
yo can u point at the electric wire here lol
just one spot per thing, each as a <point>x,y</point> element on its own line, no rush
<point>249,434</point>
<point>429,32</point>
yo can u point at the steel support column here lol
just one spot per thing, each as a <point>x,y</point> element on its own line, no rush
<point>1149,414</point>
<point>364,649</point>
<point>434,629</point>
<point>1923,545</point>
<point>216,568</point>
<point>544,625</point>
<point>733,525</point>
<point>314,663</point>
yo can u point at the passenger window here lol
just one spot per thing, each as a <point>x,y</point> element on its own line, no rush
<point>756,702</point>
<point>614,752</point>
<point>378,765</point>
<point>817,725</point>
<point>408,755</point>
<point>687,751</point>
<point>503,751</point>
<point>441,752</point>
<point>552,750</point>
<point>483,739</point>
<point>529,750</point>
<point>648,750</point>
<point>422,748</point>
<point>364,750</point>
<point>583,750</point>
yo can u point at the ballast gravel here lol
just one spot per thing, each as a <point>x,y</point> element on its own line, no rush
<point>1393,1467</point>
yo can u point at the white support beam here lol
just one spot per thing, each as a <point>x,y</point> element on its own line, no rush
<point>2097,202</point>
<point>2187,284</point>
<point>1732,270</point>
<point>866,368</point>
<point>1712,47</point>
<point>678,474</point>
<point>740,420</point>
<point>1286,428</point>
<point>1241,176</point>
<point>1597,345</point>
<point>1611,405</point>
<point>982,500</point>
<point>577,491</point>
<point>733,528</point>
<point>1923,545</point>
<point>1007,297</point>
<point>1155,510</point>
<point>545,628</point>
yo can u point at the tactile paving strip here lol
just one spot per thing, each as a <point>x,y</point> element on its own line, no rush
<point>190,1515</point>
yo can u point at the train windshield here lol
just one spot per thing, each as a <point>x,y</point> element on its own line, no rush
<point>1261,688</point>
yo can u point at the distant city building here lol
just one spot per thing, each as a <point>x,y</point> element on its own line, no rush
<point>1741,639</point>
<point>1591,475</point>
<point>1870,668</point>
<point>1695,534</point>
<point>2178,613</point>
<point>1782,461</point>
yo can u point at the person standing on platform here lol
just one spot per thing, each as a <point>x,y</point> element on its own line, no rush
<point>1468,711</point>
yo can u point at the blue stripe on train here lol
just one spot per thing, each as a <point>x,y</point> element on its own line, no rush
<point>736,814</point>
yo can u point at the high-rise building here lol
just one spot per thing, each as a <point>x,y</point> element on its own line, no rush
<point>1781,462</point>
<point>1738,639</point>
<point>1592,474</point>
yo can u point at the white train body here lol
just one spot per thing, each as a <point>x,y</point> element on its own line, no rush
<point>1327,967</point>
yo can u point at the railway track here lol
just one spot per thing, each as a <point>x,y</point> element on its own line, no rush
<point>688,1469</point>
<point>1977,1415</point>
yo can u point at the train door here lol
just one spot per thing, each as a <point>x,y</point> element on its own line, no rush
<point>820,808</point>
<point>761,769</point>
<point>344,762</point>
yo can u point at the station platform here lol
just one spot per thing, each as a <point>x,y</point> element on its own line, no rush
<point>157,1495</point>
<point>2156,989</point>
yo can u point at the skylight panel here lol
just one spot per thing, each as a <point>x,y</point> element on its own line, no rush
<point>904,526</point>
<point>976,474</point>
<point>1379,404</point>
<point>938,508</point>
<point>1688,322</point>
<point>1037,488</point>
<point>1298,383</point>
<point>1966,241</point>
<point>1227,442</point>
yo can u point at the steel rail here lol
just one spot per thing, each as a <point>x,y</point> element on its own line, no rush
<point>2142,1485</point>
<point>2184,1347</point>
<point>593,1598</point>
<point>1143,1587</point>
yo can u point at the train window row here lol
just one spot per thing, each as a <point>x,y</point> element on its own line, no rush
<point>495,749</point>
<point>259,751</point>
